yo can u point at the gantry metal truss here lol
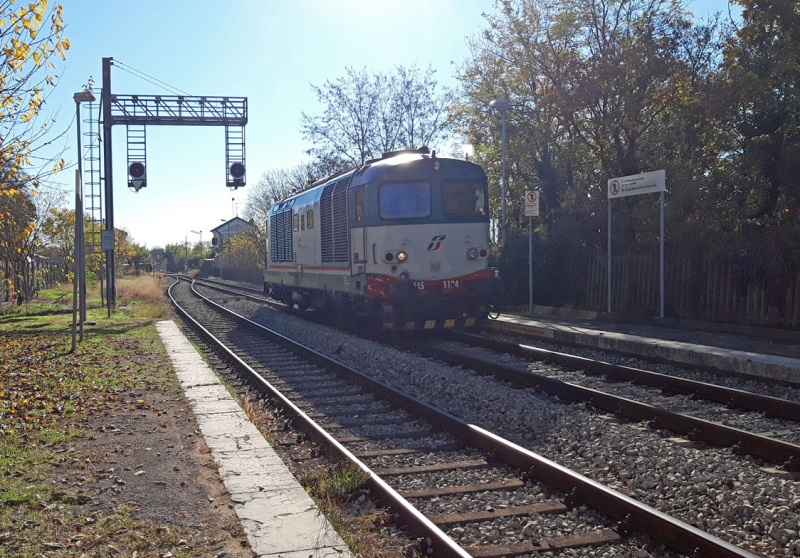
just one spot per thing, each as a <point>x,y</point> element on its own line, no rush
<point>178,110</point>
<point>139,111</point>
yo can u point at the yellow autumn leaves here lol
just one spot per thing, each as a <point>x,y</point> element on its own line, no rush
<point>27,42</point>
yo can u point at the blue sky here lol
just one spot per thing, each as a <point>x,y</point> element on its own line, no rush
<point>266,50</point>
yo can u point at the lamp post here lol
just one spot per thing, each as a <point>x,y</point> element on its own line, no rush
<point>79,279</point>
<point>201,236</point>
<point>502,106</point>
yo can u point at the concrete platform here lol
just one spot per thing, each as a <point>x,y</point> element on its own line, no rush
<point>278,516</point>
<point>741,354</point>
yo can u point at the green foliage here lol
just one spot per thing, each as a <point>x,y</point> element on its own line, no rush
<point>617,87</point>
<point>244,251</point>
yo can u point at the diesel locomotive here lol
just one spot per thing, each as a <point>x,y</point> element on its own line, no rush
<point>401,241</point>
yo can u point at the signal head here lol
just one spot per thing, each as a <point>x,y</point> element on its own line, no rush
<point>237,171</point>
<point>136,169</point>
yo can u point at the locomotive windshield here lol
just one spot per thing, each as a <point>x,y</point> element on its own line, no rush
<point>401,200</point>
<point>464,200</point>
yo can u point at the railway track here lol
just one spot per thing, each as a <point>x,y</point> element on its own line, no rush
<point>777,418</point>
<point>760,425</point>
<point>425,463</point>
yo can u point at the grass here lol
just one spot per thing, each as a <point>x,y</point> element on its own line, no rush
<point>341,493</point>
<point>45,390</point>
<point>139,299</point>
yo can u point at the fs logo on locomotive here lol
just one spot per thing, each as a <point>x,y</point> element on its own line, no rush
<point>436,242</point>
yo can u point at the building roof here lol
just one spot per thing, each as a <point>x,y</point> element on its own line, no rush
<point>236,222</point>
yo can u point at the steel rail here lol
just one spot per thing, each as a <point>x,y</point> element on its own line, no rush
<point>770,449</point>
<point>632,514</point>
<point>442,545</point>
<point>560,337</point>
<point>773,407</point>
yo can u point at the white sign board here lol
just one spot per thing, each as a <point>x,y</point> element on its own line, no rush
<point>532,203</point>
<point>636,184</point>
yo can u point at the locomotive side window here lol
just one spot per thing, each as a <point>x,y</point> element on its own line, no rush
<point>310,218</point>
<point>296,222</point>
<point>463,199</point>
<point>402,200</point>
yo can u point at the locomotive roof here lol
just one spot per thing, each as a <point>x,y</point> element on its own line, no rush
<point>394,164</point>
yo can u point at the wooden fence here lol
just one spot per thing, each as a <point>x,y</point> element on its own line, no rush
<point>708,291</point>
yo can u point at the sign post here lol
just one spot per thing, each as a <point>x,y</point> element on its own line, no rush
<point>531,210</point>
<point>633,185</point>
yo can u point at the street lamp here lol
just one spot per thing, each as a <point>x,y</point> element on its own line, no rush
<point>201,236</point>
<point>502,106</point>
<point>79,279</point>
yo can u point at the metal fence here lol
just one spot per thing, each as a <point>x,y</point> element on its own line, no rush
<point>36,273</point>
<point>705,290</point>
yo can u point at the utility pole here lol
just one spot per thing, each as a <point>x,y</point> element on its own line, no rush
<point>105,100</point>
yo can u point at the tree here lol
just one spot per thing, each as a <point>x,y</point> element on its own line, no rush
<point>176,256</point>
<point>141,255</point>
<point>244,251</point>
<point>367,115</point>
<point>276,185</point>
<point>761,68</point>
<point>22,236</point>
<point>58,228</point>
<point>597,89</point>
<point>19,215</point>
<point>27,47</point>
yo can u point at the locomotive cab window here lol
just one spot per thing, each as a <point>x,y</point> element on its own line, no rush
<point>310,218</point>
<point>464,199</point>
<point>402,200</point>
<point>296,222</point>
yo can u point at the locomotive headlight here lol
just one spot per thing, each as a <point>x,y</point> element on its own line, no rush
<point>393,256</point>
<point>472,253</point>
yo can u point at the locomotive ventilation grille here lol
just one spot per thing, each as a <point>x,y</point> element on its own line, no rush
<point>280,234</point>
<point>333,223</point>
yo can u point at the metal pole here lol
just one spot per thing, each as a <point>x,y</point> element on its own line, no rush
<point>109,182</point>
<point>661,273</point>
<point>79,220</point>
<point>81,241</point>
<point>609,256</point>
<point>530,266</point>
<point>503,184</point>
<point>75,272</point>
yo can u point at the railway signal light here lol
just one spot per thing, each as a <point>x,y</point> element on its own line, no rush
<point>137,175</point>
<point>236,171</point>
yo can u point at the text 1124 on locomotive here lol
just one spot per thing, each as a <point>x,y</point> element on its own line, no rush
<point>402,241</point>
